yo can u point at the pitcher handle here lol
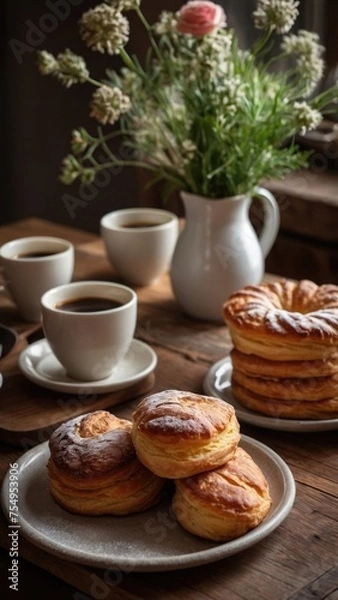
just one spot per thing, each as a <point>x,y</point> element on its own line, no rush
<point>271,222</point>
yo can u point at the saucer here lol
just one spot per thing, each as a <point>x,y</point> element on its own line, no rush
<point>38,363</point>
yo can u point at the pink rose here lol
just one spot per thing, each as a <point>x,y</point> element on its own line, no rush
<point>199,17</point>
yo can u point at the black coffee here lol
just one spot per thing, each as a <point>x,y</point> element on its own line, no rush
<point>37,254</point>
<point>139,224</point>
<point>82,305</point>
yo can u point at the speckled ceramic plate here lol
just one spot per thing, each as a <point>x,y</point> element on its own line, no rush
<point>148,541</point>
<point>217,382</point>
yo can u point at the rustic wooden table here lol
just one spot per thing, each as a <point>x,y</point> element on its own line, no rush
<point>298,560</point>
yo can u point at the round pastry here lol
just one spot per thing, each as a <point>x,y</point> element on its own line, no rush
<point>283,369</point>
<point>284,320</point>
<point>93,468</point>
<point>287,409</point>
<point>177,434</point>
<point>294,388</point>
<point>225,503</point>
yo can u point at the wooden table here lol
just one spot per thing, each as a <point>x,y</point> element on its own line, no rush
<point>296,561</point>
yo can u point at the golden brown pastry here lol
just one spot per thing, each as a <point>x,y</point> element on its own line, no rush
<point>284,320</point>
<point>225,503</point>
<point>285,355</point>
<point>283,369</point>
<point>288,409</point>
<point>294,388</point>
<point>93,468</point>
<point>177,433</point>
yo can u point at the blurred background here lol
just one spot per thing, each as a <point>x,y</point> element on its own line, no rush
<point>40,113</point>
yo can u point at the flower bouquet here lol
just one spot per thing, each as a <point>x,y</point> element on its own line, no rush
<point>197,111</point>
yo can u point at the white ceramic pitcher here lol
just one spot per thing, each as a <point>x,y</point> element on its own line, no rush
<point>218,251</point>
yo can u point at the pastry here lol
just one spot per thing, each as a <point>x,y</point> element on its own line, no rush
<point>177,433</point>
<point>293,388</point>
<point>263,367</point>
<point>224,503</point>
<point>286,409</point>
<point>285,355</point>
<point>284,320</point>
<point>93,468</point>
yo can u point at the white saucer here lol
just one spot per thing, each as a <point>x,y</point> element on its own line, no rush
<point>38,363</point>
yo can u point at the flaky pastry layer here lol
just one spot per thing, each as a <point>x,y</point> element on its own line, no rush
<point>284,320</point>
<point>296,388</point>
<point>93,467</point>
<point>136,491</point>
<point>177,434</point>
<point>224,503</point>
<point>288,409</point>
<point>250,364</point>
<point>92,445</point>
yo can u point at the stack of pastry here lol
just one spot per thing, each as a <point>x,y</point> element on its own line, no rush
<point>285,348</point>
<point>100,464</point>
<point>220,492</point>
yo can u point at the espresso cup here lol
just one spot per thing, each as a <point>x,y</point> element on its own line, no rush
<point>33,265</point>
<point>140,242</point>
<point>89,326</point>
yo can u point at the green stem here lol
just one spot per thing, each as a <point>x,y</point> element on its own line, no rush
<point>143,165</point>
<point>128,61</point>
<point>93,81</point>
<point>150,35</point>
<point>261,42</point>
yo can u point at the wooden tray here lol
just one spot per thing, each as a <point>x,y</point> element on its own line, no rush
<point>29,413</point>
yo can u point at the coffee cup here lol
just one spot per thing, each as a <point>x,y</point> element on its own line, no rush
<point>33,265</point>
<point>89,326</point>
<point>140,242</point>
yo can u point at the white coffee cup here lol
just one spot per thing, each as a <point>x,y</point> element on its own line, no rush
<point>140,242</point>
<point>89,338</point>
<point>33,265</point>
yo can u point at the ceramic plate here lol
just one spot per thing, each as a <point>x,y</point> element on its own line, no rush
<point>38,363</point>
<point>148,541</point>
<point>217,382</point>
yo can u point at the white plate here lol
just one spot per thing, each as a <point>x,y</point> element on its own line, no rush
<point>217,382</point>
<point>148,541</point>
<point>38,363</point>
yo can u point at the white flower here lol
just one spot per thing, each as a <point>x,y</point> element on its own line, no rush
<point>72,169</point>
<point>122,5</point>
<point>306,118</point>
<point>188,150</point>
<point>70,68</point>
<point>310,70</point>
<point>80,140</point>
<point>166,24</point>
<point>212,55</point>
<point>48,65</point>
<point>108,103</point>
<point>304,42</point>
<point>276,14</point>
<point>307,50</point>
<point>105,29</point>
